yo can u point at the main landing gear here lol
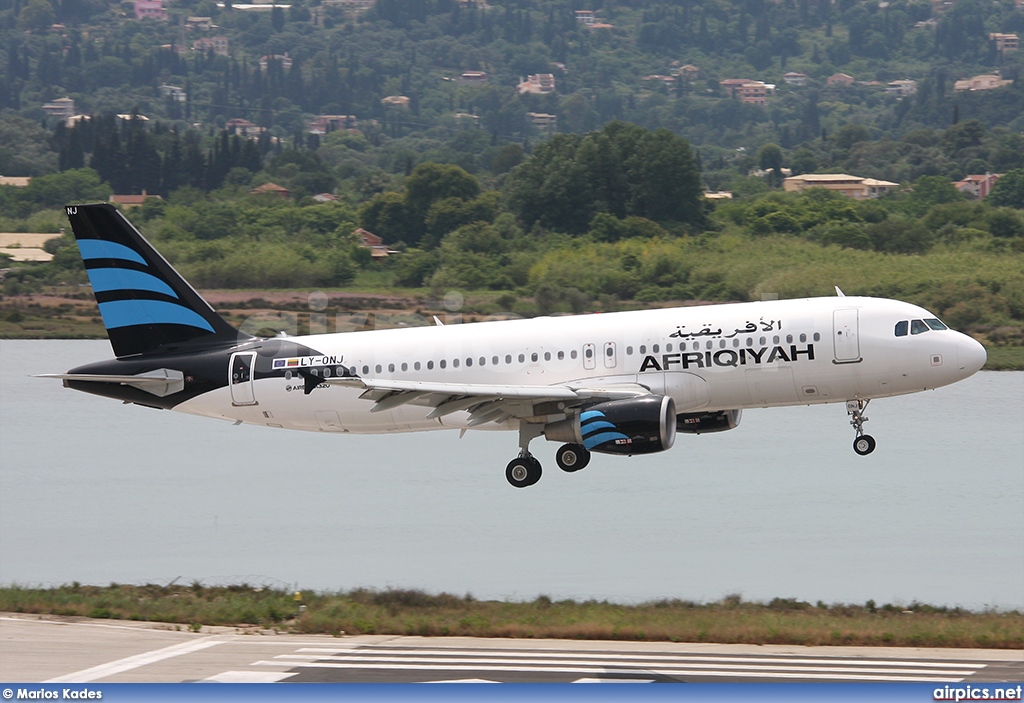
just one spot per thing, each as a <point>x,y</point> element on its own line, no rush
<point>863,444</point>
<point>572,457</point>
<point>525,470</point>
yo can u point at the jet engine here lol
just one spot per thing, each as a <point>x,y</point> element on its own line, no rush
<point>699,423</point>
<point>641,425</point>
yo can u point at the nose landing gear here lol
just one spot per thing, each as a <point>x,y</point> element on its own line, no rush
<point>863,444</point>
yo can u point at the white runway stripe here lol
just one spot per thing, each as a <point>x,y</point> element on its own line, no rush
<point>624,670</point>
<point>127,664</point>
<point>762,665</point>
<point>638,656</point>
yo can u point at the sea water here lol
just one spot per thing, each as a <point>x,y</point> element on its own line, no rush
<point>95,491</point>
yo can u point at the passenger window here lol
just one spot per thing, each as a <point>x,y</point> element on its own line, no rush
<point>572,354</point>
<point>378,369</point>
<point>589,353</point>
<point>735,342</point>
<point>405,366</point>
<point>391,368</point>
<point>750,341</point>
<point>416,366</point>
<point>494,360</point>
<point>455,363</point>
<point>508,358</point>
<point>775,339</point>
<point>918,327</point>
<point>803,337</point>
<point>609,352</point>
<point>789,339</point>
<point>533,356</point>
<point>547,356</point>
<point>817,337</point>
<point>762,341</point>
<point>483,361</point>
<point>935,324</point>
<point>655,348</point>
<point>430,365</point>
<point>444,363</point>
<point>561,355</point>
<point>522,358</point>
<point>469,361</point>
<point>901,328</point>
<point>643,348</point>
<point>629,351</point>
<point>366,370</point>
<point>668,347</point>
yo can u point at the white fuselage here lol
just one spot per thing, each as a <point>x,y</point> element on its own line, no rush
<point>716,357</point>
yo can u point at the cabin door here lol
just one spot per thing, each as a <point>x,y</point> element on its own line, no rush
<point>240,378</point>
<point>845,336</point>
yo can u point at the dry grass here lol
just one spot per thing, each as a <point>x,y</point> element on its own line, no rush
<point>414,612</point>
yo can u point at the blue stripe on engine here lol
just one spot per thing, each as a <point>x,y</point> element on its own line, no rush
<point>102,249</point>
<point>595,426</point>
<point>584,416</point>
<point>125,313</point>
<point>596,440</point>
<point>103,280</point>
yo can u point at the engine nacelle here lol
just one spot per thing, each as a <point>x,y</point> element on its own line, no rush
<point>699,423</point>
<point>641,425</point>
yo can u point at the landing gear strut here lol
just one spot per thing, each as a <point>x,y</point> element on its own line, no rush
<point>525,470</point>
<point>863,444</point>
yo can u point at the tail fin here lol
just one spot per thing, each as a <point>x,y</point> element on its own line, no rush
<point>146,305</point>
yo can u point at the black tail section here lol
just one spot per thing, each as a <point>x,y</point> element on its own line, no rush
<point>146,305</point>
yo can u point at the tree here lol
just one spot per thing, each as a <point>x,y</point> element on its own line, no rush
<point>36,15</point>
<point>1009,190</point>
<point>621,170</point>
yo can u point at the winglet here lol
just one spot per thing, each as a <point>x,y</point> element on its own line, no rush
<point>840,293</point>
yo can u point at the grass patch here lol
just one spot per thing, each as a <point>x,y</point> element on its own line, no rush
<point>1005,359</point>
<point>416,612</point>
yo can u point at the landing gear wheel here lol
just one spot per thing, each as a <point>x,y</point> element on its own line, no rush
<point>572,457</point>
<point>523,471</point>
<point>864,445</point>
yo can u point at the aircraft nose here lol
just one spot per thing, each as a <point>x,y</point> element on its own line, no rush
<point>970,356</point>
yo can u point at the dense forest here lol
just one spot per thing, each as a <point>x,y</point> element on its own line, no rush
<point>585,196</point>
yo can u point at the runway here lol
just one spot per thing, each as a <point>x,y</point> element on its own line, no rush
<point>78,650</point>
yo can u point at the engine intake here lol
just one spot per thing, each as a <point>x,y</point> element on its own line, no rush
<point>699,423</point>
<point>633,426</point>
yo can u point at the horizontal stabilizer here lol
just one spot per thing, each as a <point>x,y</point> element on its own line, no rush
<point>160,382</point>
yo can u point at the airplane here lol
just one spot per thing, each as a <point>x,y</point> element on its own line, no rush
<point>623,383</point>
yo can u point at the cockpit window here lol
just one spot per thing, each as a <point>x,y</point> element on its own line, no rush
<point>901,328</point>
<point>935,324</point>
<point>918,327</point>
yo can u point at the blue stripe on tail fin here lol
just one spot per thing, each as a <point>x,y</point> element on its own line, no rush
<point>146,305</point>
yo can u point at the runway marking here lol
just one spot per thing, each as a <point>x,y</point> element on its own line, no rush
<point>134,662</point>
<point>249,677</point>
<point>556,654</point>
<point>646,671</point>
<point>616,665</point>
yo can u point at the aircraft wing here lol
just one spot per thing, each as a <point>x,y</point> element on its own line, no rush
<point>485,403</point>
